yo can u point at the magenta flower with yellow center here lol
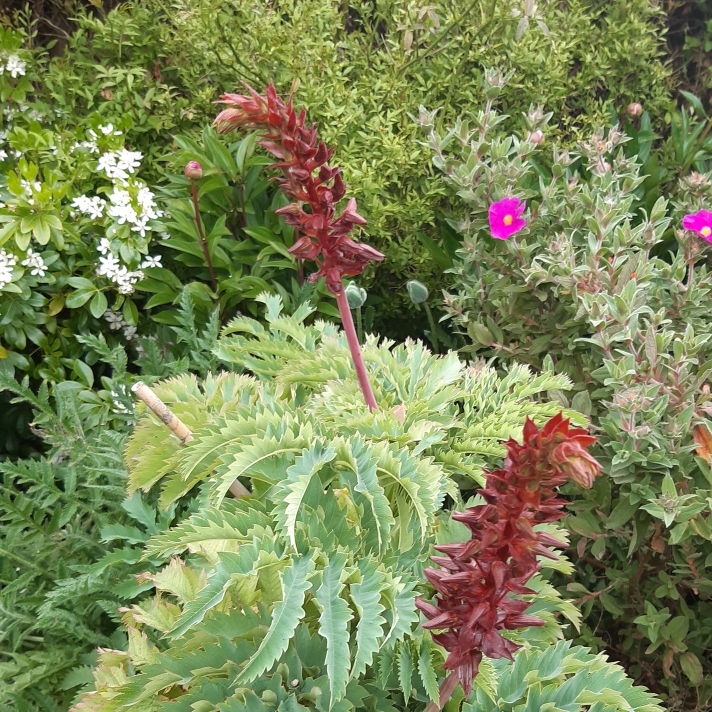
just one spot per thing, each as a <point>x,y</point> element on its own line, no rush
<point>701,223</point>
<point>504,217</point>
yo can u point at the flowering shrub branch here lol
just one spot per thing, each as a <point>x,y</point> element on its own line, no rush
<point>324,237</point>
<point>476,578</point>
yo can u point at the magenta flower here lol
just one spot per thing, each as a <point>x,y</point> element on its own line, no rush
<point>504,217</point>
<point>701,223</point>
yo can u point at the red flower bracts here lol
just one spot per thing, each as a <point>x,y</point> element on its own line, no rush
<point>286,136</point>
<point>476,578</point>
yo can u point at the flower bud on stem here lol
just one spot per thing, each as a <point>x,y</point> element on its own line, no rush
<point>201,234</point>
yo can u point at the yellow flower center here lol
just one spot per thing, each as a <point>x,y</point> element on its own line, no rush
<point>706,230</point>
<point>508,221</point>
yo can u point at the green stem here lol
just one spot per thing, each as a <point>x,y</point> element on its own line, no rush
<point>359,325</point>
<point>431,321</point>
<point>201,235</point>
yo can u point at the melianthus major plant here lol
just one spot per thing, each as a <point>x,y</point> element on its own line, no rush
<point>588,282</point>
<point>301,592</point>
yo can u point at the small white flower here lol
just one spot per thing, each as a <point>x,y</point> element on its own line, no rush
<point>104,246</point>
<point>7,258</point>
<point>115,319</point>
<point>7,262</point>
<point>164,235</point>
<point>15,66</point>
<point>93,207</point>
<point>119,164</point>
<point>90,145</point>
<point>129,160</point>
<point>108,267</point>
<point>106,130</point>
<point>151,262</point>
<point>3,154</point>
<point>35,262</point>
<point>129,332</point>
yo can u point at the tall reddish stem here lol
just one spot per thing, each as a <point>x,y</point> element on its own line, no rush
<point>446,690</point>
<point>359,365</point>
<point>201,235</point>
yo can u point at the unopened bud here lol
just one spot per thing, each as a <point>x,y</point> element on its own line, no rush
<point>634,109</point>
<point>356,296</point>
<point>417,291</point>
<point>193,170</point>
<point>536,138</point>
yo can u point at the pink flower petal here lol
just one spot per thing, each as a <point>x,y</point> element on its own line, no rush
<point>504,217</point>
<point>699,222</point>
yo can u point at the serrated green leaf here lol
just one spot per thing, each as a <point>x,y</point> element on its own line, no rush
<point>427,671</point>
<point>294,487</point>
<point>405,668</point>
<point>287,614</point>
<point>366,596</point>
<point>333,627</point>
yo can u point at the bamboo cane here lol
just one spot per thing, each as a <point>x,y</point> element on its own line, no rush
<point>176,426</point>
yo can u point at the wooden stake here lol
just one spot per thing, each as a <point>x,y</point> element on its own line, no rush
<point>176,426</point>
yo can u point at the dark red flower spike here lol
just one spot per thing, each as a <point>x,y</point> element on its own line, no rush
<point>476,578</point>
<point>306,179</point>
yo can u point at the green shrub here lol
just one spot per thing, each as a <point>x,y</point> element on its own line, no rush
<point>609,289</point>
<point>61,578</point>
<point>77,225</point>
<point>302,593</point>
<point>363,68</point>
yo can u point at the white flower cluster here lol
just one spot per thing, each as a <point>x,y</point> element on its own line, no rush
<point>7,262</point>
<point>124,211</point>
<point>111,268</point>
<point>93,207</point>
<point>117,321</point>
<point>14,66</point>
<point>118,165</point>
<point>91,145</point>
<point>34,261</point>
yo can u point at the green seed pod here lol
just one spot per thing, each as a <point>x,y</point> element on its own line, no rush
<point>417,291</point>
<point>356,296</point>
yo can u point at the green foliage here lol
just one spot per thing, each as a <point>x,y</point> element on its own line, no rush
<point>379,60</point>
<point>247,243</point>
<point>301,594</point>
<point>604,286</point>
<point>62,577</point>
<point>563,677</point>
<point>77,223</point>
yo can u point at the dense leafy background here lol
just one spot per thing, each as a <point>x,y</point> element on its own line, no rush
<point>70,539</point>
